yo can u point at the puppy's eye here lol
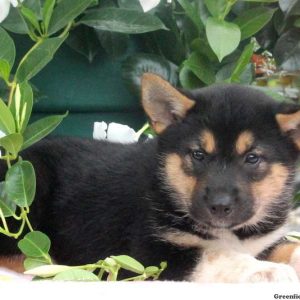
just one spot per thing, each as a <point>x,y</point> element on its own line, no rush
<point>252,158</point>
<point>198,154</point>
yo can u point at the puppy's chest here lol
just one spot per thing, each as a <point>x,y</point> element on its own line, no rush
<point>225,241</point>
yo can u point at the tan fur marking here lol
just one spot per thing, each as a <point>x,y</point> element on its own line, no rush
<point>271,186</point>
<point>208,141</point>
<point>283,253</point>
<point>161,101</point>
<point>178,179</point>
<point>14,263</point>
<point>288,122</point>
<point>244,142</point>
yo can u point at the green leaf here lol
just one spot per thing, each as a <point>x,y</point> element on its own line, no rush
<point>46,271</point>
<point>122,20</point>
<point>297,23</point>
<point>15,22</point>
<point>41,128</point>
<point>151,270</point>
<point>66,11</point>
<point>253,20</point>
<point>135,66</point>
<point>7,47</point>
<point>216,8</point>
<point>76,275</point>
<point>192,13</point>
<point>21,105</point>
<point>37,58</point>
<point>199,66</point>
<point>7,123</point>
<point>7,206</point>
<point>12,143</point>
<point>31,263</point>
<point>20,183</point>
<point>129,263</point>
<point>4,69</point>
<point>114,43</point>
<point>31,17</point>
<point>223,37</point>
<point>47,13</point>
<point>242,63</point>
<point>35,244</point>
<point>84,40</point>
<point>188,79</point>
<point>266,1</point>
<point>130,4</point>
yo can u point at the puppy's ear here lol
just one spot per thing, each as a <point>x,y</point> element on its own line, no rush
<point>162,103</point>
<point>289,122</point>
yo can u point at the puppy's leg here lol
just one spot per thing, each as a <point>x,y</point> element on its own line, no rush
<point>287,253</point>
<point>13,263</point>
<point>234,267</point>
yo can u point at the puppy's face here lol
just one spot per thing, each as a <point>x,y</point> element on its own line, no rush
<point>227,153</point>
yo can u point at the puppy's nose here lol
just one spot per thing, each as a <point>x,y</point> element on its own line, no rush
<point>220,205</point>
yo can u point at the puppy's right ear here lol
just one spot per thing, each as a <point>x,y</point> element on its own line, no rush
<point>289,122</point>
<point>162,103</point>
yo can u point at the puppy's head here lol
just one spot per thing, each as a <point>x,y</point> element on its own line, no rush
<point>228,153</point>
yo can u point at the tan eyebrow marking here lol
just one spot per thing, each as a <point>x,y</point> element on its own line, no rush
<point>244,142</point>
<point>208,141</point>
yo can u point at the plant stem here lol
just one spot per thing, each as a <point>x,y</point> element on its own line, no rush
<point>66,30</point>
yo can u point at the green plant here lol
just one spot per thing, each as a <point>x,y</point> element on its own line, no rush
<point>48,24</point>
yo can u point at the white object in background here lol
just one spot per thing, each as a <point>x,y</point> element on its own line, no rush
<point>149,4</point>
<point>5,6</point>
<point>99,132</point>
<point>114,132</point>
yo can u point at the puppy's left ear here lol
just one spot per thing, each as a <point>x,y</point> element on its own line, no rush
<point>289,123</point>
<point>162,103</point>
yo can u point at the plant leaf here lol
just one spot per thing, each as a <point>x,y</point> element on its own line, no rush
<point>242,63</point>
<point>122,20</point>
<point>129,263</point>
<point>31,17</point>
<point>45,271</point>
<point>4,69</point>
<point>31,262</point>
<point>216,8</point>
<point>38,58</point>
<point>41,128</point>
<point>76,275</point>
<point>253,20</point>
<point>47,12</point>
<point>223,37</point>
<point>199,66</point>
<point>8,207</point>
<point>35,244</point>
<point>7,123</point>
<point>12,143</point>
<point>66,11</point>
<point>7,48</point>
<point>20,183</point>
<point>192,13</point>
<point>21,105</point>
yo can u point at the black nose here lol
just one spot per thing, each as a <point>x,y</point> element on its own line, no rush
<point>220,205</point>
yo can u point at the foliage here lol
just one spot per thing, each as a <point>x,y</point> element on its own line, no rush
<point>48,24</point>
<point>35,245</point>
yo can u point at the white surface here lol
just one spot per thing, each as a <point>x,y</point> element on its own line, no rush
<point>144,291</point>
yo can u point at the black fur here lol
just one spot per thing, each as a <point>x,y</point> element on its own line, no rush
<point>95,199</point>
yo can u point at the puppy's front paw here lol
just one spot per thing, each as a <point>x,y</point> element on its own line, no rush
<point>272,272</point>
<point>295,260</point>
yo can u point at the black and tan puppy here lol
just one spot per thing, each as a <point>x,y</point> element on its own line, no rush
<point>210,195</point>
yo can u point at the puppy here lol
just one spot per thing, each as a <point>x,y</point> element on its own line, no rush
<point>210,195</point>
